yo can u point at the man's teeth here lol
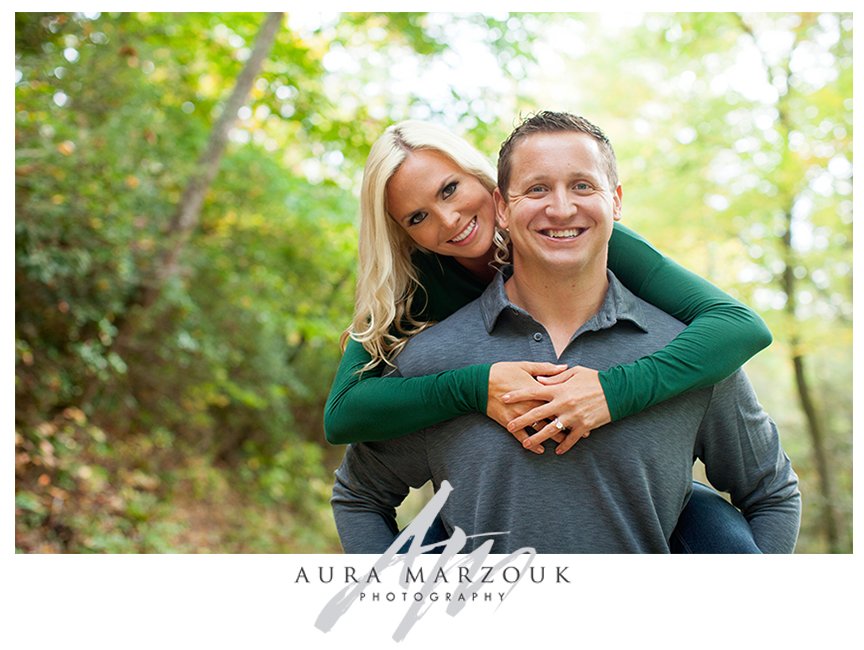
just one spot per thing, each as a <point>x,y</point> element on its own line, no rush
<point>564,234</point>
<point>468,230</point>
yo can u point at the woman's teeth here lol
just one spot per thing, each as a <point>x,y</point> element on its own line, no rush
<point>465,233</point>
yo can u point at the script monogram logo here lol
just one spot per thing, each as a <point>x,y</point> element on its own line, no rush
<point>467,568</point>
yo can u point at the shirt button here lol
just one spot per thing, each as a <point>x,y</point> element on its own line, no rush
<point>538,336</point>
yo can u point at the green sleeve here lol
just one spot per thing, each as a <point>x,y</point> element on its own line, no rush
<point>721,335</point>
<point>366,407</point>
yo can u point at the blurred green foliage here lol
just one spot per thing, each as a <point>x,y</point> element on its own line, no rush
<point>204,432</point>
<point>105,143</point>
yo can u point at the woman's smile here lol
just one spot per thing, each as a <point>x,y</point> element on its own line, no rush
<point>462,237</point>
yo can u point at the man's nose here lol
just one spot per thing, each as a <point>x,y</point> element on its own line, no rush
<point>561,204</point>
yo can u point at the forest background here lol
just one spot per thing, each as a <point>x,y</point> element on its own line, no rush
<point>186,225</point>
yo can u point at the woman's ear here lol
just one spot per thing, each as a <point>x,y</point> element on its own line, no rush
<point>502,211</point>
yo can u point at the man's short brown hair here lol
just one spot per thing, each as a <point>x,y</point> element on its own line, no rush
<point>552,122</point>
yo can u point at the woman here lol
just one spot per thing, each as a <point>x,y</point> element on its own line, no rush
<point>420,261</point>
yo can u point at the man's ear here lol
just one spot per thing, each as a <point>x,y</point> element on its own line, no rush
<point>501,212</point>
<point>617,203</point>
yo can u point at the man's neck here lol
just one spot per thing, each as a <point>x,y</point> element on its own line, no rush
<point>560,301</point>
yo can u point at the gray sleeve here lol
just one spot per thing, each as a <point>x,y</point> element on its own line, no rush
<point>740,446</point>
<point>373,479</point>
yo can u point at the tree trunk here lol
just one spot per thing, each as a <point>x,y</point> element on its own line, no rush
<point>187,214</point>
<point>820,456</point>
<point>186,218</point>
<point>815,424</point>
<point>815,427</point>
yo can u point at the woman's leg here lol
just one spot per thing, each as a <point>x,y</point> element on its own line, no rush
<point>710,524</point>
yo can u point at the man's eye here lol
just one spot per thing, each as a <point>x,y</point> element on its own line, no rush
<point>536,188</point>
<point>414,219</point>
<point>449,189</point>
<point>583,187</point>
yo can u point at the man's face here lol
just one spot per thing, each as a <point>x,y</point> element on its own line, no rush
<point>560,208</point>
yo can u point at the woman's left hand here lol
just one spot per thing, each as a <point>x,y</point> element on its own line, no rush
<point>575,397</point>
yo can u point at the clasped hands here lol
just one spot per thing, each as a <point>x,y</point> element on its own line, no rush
<point>526,394</point>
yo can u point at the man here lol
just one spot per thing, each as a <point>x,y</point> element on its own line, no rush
<point>625,486</point>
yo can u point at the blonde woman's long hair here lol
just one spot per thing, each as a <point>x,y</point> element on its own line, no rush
<point>387,282</point>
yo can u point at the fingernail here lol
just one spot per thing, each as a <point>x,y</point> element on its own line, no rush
<point>505,398</point>
<point>511,427</point>
<point>527,444</point>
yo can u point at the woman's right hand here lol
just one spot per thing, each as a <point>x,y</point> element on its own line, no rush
<point>508,376</point>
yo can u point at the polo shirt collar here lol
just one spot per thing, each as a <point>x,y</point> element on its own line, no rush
<point>619,305</point>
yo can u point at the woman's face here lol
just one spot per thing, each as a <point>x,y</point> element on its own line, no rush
<point>442,207</point>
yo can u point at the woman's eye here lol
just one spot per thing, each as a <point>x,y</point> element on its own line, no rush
<point>449,189</point>
<point>414,219</point>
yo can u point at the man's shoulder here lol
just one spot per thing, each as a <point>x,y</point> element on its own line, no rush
<point>442,345</point>
<point>659,321</point>
<point>653,321</point>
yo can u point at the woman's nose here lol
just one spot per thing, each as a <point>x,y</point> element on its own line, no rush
<point>450,217</point>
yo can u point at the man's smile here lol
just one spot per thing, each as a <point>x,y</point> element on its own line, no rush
<point>565,233</point>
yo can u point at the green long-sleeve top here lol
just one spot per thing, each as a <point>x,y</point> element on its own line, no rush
<point>721,335</point>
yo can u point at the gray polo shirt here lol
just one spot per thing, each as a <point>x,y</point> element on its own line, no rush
<point>619,491</point>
